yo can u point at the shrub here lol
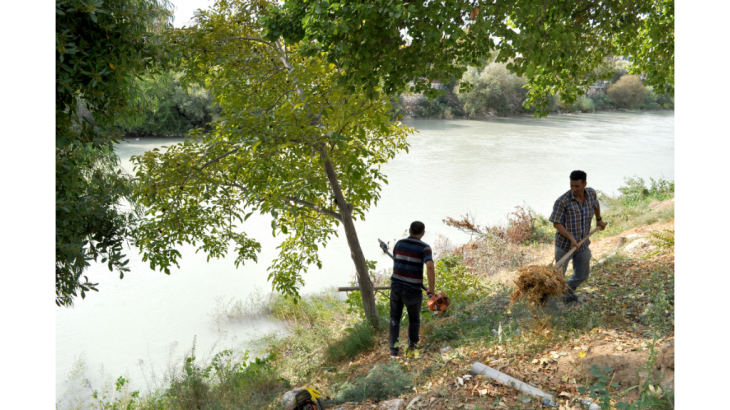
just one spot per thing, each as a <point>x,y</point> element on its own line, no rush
<point>666,101</point>
<point>454,279</point>
<point>494,88</point>
<point>585,104</point>
<point>663,239</point>
<point>601,101</point>
<point>628,92</point>
<point>542,231</point>
<point>635,191</point>
<point>428,108</point>
<point>165,107</point>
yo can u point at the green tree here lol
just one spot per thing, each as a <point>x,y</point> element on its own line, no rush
<point>99,47</point>
<point>492,88</point>
<point>555,45</point>
<point>612,69</point>
<point>628,92</point>
<point>289,143</point>
<point>168,108</point>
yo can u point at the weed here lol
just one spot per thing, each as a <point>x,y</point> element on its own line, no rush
<point>659,314</point>
<point>223,383</point>
<point>601,388</point>
<point>663,239</point>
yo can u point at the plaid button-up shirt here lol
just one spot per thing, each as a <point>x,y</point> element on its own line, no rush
<point>575,217</point>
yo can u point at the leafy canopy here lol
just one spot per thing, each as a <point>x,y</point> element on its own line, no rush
<point>555,45</point>
<point>284,118</point>
<point>99,47</point>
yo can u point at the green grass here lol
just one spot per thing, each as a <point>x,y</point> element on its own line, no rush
<point>357,338</point>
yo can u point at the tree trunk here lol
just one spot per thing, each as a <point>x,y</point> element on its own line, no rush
<point>361,267</point>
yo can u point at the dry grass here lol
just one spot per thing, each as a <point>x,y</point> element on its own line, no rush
<point>536,283</point>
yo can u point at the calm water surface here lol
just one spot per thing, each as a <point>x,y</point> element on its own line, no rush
<point>139,325</point>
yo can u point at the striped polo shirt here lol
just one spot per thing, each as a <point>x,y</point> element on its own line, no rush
<point>409,255</point>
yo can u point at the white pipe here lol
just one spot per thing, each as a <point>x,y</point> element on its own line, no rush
<point>484,370</point>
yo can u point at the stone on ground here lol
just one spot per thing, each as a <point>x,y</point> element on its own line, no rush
<point>395,404</point>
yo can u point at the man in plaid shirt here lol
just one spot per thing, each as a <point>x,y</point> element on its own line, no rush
<point>572,215</point>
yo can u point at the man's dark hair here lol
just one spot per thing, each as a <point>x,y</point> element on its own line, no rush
<point>578,176</point>
<point>417,228</point>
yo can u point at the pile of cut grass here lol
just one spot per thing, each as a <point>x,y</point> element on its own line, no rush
<point>536,283</point>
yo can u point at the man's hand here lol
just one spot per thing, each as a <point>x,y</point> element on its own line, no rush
<point>573,243</point>
<point>601,225</point>
<point>431,291</point>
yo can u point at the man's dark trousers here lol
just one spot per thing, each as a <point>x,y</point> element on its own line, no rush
<point>400,297</point>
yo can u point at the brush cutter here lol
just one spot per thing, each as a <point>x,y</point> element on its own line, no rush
<point>437,303</point>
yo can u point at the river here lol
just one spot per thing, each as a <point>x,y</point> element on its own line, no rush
<point>139,325</point>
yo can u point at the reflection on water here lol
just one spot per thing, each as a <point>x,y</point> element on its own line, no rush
<point>453,167</point>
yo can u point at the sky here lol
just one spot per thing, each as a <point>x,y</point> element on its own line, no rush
<point>184,10</point>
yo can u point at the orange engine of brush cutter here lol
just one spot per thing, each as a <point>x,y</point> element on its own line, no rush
<point>439,303</point>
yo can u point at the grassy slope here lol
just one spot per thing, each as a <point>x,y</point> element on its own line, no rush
<point>625,324</point>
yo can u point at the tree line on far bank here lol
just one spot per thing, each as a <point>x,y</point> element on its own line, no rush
<point>167,108</point>
<point>497,92</point>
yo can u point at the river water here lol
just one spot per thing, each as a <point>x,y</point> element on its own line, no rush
<point>139,325</point>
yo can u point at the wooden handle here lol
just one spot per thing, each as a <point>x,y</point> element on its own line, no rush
<point>357,288</point>
<point>572,250</point>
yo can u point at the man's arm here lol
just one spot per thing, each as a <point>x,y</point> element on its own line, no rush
<point>597,212</point>
<point>431,272</point>
<point>565,233</point>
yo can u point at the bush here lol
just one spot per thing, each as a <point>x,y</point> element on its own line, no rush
<point>428,108</point>
<point>628,92</point>
<point>663,239</point>
<point>165,107</point>
<point>666,101</point>
<point>494,88</point>
<point>585,104</point>
<point>454,279</point>
<point>542,231</point>
<point>635,191</point>
<point>601,101</point>
<point>382,382</point>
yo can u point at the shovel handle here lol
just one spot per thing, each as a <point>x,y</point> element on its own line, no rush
<point>572,250</point>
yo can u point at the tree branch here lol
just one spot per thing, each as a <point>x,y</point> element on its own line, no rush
<point>298,201</point>
<point>315,207</point>
<point>248,39</point>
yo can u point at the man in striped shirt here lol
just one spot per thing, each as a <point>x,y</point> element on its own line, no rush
<point>572,216</point>
<point>409,256</point>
